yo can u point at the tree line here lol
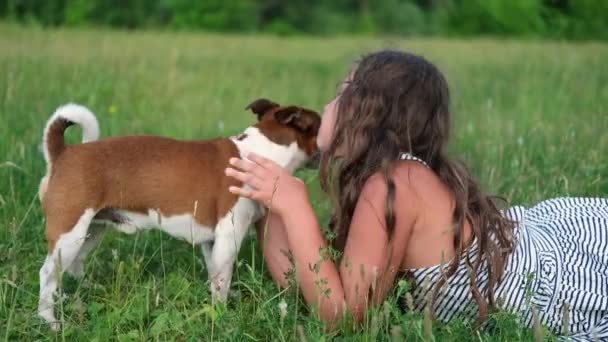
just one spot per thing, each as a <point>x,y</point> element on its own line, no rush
<point>555,19</point>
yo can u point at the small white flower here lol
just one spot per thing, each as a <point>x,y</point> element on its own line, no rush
<point>520,141</point>
<point>470,128</point>
<point>282,308</point>
<point>114,254</point>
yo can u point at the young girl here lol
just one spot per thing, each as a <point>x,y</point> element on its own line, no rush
<point>402,207</point>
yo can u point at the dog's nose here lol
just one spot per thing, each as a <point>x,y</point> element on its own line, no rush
<point>314,161</point>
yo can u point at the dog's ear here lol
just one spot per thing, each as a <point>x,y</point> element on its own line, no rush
<point>261,106</point>
<point>302,119</point>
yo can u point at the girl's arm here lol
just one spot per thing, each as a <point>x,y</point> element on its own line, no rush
<point>369,263</point>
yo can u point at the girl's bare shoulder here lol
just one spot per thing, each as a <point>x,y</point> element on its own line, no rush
<point>417,188</point>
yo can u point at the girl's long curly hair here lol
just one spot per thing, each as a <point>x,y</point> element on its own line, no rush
<point>398,102</point>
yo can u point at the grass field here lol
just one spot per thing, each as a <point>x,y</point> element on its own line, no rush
<point>531,118</point>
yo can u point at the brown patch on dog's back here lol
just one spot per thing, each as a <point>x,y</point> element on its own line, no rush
<point>143,175</point>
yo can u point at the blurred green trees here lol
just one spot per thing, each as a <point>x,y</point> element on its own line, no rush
<point>568,19</point>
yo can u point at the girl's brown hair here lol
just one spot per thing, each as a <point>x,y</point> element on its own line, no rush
<point>398,102</point>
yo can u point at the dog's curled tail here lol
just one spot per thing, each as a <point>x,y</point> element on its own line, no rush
<point>65,116</point>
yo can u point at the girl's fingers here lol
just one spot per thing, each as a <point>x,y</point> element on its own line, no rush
<point>262,161</point>
<point>241,164</point>
<point>245,177</point>
<point>256,183</point>
<point>238,175</point>
<point>241,192</point>
<point>251,167</point>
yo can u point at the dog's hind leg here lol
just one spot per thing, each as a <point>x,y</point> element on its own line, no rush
<point>94,235</point>
<point>61,256</point>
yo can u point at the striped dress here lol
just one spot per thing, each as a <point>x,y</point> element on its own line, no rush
<point>559,266</point>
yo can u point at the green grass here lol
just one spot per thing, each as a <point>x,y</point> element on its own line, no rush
<point>531,118</point>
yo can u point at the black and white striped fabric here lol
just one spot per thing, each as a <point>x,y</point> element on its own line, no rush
<point>559,268</point>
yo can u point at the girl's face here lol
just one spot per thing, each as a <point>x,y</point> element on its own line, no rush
<point>328,122</point>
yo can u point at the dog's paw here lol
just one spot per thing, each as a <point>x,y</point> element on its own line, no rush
<point>218,294</point>
<point>55,326</point>
<point>47,315</point>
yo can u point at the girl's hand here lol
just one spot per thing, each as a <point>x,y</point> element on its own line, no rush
<point>267,182</point>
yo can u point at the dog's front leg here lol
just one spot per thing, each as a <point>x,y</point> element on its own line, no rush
<point>207,248</point>
<point>223,256</point>
<point>220,270</point>
<point>229,234</point>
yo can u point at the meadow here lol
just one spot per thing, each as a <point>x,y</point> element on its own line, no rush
<point>530,117</point>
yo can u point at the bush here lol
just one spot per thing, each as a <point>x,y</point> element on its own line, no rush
<point>589,18</point>
<point>498,17</point>
<point>214,15</point>
<point>400,17</point>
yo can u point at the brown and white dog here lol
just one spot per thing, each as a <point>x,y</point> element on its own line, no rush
<point>144,182</point>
